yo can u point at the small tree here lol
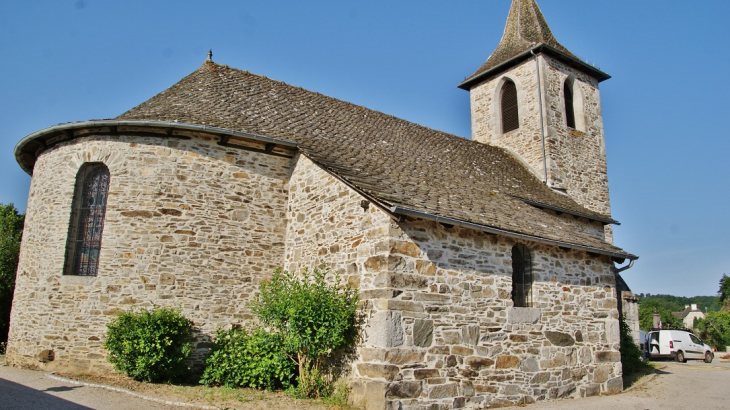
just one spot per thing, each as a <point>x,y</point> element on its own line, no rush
<point>11,230</point>
<point>724,291</point>
<point>315,319</point>
<point>646,315</point>
<point>150,345</point>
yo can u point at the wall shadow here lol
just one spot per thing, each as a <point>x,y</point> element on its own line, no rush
<point>17,396</point>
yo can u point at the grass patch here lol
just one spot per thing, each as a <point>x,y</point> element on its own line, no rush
<point>642,371</point>
<point>221,397</point>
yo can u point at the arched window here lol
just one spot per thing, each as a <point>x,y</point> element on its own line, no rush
<point>521,276</point>
<point>569,106</point>
<point>87,220</point>
<point>510,116</point>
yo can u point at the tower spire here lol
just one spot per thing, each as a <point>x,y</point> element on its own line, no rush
<point>526,29</point>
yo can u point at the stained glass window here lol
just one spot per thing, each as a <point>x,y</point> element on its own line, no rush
<point>87,220</point>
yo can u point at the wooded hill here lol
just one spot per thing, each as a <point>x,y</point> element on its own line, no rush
<point>677,303</point>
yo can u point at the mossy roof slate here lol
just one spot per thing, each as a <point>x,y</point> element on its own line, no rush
<point>396,162</point>
<point>526,30</point>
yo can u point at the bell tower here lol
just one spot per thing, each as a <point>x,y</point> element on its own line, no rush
<point>535,98</point>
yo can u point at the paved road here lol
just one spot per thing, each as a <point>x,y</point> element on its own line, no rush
<point>27,389</point>
<point>678,386</point>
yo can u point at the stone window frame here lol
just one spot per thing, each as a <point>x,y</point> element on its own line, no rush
<point>522,276</point>
<point>570,85</point>
<point>86,224</point>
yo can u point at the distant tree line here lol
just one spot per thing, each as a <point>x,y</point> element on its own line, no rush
<point>11,229</point>
<point>677,303</point>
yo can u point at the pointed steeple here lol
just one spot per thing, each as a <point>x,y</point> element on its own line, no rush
<point>526,30</point>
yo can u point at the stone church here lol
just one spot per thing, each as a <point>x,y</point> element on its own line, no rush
<point>486,265</point>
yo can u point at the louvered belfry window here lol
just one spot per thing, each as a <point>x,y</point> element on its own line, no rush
<point>510,116</point>
<point>569,107</point>
<point>87,220</point>
<point>521,276</point>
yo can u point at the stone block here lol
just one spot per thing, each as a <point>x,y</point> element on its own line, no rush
<point>562,391</point>
<point>378,371</point>
<point>452,337</point>
<point>470,334</point>
<point>442,391</point>
<point>613,334</point>
<point>374,396</point>
<point>540,378</point>
<point>523,315</point>
<point>422,332</point>
<point>403,356</point>
<point>371,354</point>
<point>530,365</point>
<point>615,385</point>
<point>432,298</point>
<point>384,329</point>
<point>403,390</point>
<point>405,248</point>
<point>420,374</point>
<point>400,280</point>
<point>602,373</point>
<point>578,374</point>
<point>559,338</point>
<point>608,357</point>
<point>518,338</point>
<point>478,362</point>
<point>507,362</point>
<point>462,350</point>
<point>590,390</point>
<point>425,268</point>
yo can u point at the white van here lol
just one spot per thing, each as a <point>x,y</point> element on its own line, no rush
<point>677,344</point>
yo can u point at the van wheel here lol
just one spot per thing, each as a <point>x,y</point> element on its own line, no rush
<point>680,357</point>
<point>708,357</point>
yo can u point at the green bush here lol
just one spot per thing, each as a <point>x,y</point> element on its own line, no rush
<point>255,359</point>
<point>315,318</point>
<point>631,357</point>
<point>150,345</point>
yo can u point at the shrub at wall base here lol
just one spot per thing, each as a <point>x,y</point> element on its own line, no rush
<point>150,345</point>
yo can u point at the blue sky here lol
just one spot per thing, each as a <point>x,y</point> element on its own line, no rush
<point>665,109</point>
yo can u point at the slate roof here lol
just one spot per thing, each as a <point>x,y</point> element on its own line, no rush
<point>393,161</point>
<point>687,310</point>
<point>526,30</point>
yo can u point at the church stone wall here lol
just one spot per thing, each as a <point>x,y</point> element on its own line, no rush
<point>189,224</point>
<point>440,326</point>
<point>443,330</point>
<point>329,223</point>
